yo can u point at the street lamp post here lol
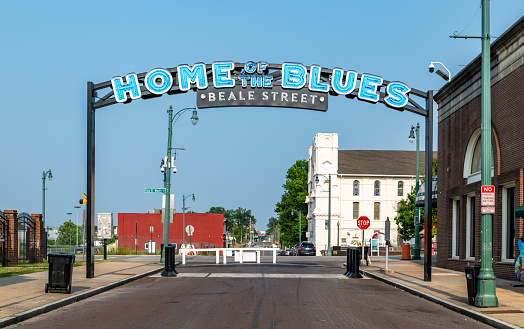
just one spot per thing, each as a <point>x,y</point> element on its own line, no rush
<point>338,233</point>
<point>78,207</point>
<point>416,248</point>
<point>69,215</point>
<point>44,175</point>
<point>486,290</point>
<point>166,166</point>
<point>329,211</point>
<point>184,216</point>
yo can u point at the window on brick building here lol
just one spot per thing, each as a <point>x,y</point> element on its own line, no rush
<point>455,236</point>
<point>470,227</point>
<point>508,223</point>
<point>472,159</point>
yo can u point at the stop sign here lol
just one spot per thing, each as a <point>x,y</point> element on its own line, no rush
<point>363,222</point>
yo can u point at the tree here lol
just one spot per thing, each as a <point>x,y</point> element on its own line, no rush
<point>406,213</point>
<point>295,192</point>
<point>67,233</point>
<point>272,225</point>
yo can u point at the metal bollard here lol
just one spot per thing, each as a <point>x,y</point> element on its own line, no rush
<point>169,269</point>
<point>355,269</point>
<point>347,263</point>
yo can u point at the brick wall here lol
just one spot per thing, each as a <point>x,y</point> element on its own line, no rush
<point>454,133</point>
<point>12,247</point>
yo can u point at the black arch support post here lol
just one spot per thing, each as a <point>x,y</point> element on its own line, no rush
<point>90,225</point>
<point>274,73</point>
<point>428,173</point>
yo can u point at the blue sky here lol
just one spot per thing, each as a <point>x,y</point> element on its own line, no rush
<point>234,157</point>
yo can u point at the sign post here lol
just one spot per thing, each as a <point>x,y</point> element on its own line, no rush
<point>363,223</point>
<point>388,236</point>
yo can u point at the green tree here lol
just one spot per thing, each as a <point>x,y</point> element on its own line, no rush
<point>405,218</point>
<point>67,234</point>
<point>295,192</point>
<point>272,224</point>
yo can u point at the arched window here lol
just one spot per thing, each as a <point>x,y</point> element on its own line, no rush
<point>356,188</point>
<point>472,161</point>
<point>400,188</point>
<point>377,188</point>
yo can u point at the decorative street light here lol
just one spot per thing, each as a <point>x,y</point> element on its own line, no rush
<point>166,166</point>
<point>328,178</point>
<point>44,175</point>
<point>299,224</point>
<point>416,248</point>
<point>184,197</point>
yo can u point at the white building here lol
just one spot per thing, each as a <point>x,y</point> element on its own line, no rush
<point>363,183</point>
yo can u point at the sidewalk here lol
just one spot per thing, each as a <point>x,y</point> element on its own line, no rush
<point>449,288</point>
<point>23,296</point>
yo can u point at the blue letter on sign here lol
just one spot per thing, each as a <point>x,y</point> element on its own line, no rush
<point>222,74</point>
<point>158,81</point>
<point>314,80</point>
<point>369,88</point>
<point>397,94</point>
<point>196,74</point>
<point>343,88</point>
<point>293,76</point>
<point>121,89</point>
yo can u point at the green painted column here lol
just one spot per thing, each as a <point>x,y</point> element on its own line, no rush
<point>486,294</point>
<point>416,248</point>
<point>167,184</point>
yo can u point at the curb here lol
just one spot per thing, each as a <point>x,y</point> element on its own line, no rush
<point>459,309</point>
<point>19,317</point>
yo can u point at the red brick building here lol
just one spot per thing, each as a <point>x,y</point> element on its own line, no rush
<point>459,120</point>
<point>208,230</point>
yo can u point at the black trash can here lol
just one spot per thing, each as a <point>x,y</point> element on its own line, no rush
<point>472,272</point>
<point>60,272</point>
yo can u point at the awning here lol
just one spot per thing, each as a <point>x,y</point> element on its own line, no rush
<point>520,211</point>
<point>421,195</point>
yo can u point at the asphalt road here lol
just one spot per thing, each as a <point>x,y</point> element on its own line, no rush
<point>297,292</point>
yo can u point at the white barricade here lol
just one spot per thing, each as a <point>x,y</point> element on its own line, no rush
<point>241,254</point>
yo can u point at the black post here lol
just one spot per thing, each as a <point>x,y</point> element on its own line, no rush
<point>347,263</point>
<point>355,267</point>
<point>105,249</point>
<point>169,261</point>
<point>428,173</point>
<point>90,218</point>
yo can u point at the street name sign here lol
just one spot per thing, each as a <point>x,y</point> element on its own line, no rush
<point>155,190</point>
<point>363,222</point>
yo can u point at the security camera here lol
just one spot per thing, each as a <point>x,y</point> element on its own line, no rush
<point>162,169</point>
<point>174,170</point>
<point>431,68</point>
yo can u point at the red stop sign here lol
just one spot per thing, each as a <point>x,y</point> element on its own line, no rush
<point>363,222</point>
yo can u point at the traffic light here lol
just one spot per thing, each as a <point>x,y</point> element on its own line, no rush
<point>84,200</point>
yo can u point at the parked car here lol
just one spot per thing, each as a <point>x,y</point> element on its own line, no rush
<point>287,252</point>
<point>306,249</point>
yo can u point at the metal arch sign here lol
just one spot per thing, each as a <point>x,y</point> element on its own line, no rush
<point>229,84</point>
<point>260,84</point>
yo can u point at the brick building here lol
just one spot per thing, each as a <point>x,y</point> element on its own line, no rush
<point>459,121</point>
<point>208,230</point>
